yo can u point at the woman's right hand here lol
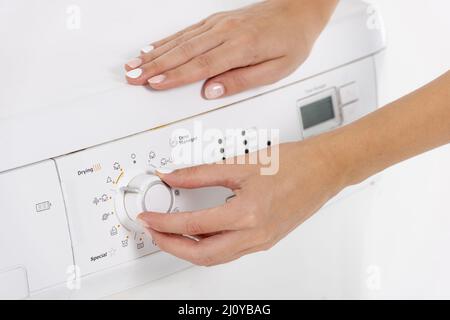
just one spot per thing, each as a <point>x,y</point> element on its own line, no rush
<point>270,201</point>
<point>236,50</point>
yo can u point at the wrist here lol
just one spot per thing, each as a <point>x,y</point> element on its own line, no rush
<point>344,153</point>
<point>323,161</point>
<point>338,157</point>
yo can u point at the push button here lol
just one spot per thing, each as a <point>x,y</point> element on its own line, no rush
<point>349,93</point>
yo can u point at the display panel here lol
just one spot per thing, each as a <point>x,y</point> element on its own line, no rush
<point>317,112</point>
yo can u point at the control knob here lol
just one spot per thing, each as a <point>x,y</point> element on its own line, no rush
<point>145,192</point>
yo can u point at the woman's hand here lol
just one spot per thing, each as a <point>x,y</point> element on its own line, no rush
<point>268,207</point>
<point>265,209</point>
<point>235,50</point>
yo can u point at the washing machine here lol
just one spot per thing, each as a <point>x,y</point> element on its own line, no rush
<point>80,146</point>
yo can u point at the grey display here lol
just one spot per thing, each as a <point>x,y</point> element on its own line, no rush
<point>317,112</point>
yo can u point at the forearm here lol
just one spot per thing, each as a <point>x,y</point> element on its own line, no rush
<point>403,129</point>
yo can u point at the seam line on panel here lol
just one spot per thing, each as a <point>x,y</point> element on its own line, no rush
<point>65,210</point>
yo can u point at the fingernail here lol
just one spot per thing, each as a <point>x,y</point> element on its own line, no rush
<point>133,74</point>
<point>157,79</point>
<point>134,63</point>
<point>164,170</point>
<point>147,49</point>
<point>214,91</point>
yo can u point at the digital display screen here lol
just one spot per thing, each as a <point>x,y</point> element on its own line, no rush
<point>317,112</point>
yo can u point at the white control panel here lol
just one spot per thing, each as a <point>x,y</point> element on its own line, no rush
<point>106,187</point>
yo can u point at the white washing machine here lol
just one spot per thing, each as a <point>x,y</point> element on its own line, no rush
<point>79,146</point>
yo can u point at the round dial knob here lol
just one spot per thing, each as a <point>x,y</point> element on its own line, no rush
<point>145,192</point>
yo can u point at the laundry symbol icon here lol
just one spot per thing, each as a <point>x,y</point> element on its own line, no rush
<point>116,166</point>
<point>173,142</point>
<point>113,231</point>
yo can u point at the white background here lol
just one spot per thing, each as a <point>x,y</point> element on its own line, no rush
<point>410,229</point>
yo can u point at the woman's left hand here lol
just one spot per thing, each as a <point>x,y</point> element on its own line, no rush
<point>235,50</point>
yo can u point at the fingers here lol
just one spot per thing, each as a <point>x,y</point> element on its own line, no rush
<point>187,64</point>
<point>214,250</point>
<point>178,34</point>
<point>203,66</point>
<point>203,24</point>
<point>226,217</point>
<point>201,52</point>
<point>153,66</point>
<point>184,42</point>
<point>209,175</point>
<point>167,47</point>
<point>152,52</point>
<point>201,222</point>
<point>242,79</point>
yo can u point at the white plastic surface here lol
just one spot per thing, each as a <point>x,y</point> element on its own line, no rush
<point>158,199</point>
<point>14,284</point>
<point>34,234</point>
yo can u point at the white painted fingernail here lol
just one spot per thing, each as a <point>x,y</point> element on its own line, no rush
<point>133,74</point>
<point>147,49</point>
<point>157,79</point>
<point>134,63</point>
<point>165,170</point>
<point>214,91</point>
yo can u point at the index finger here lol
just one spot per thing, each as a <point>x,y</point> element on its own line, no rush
<point>217,219</point>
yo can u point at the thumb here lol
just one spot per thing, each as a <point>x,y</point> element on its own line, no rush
<point>207,175</point>
<point>242,79</point>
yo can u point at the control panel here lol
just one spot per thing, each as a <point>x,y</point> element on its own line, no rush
<point>107,186</point>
